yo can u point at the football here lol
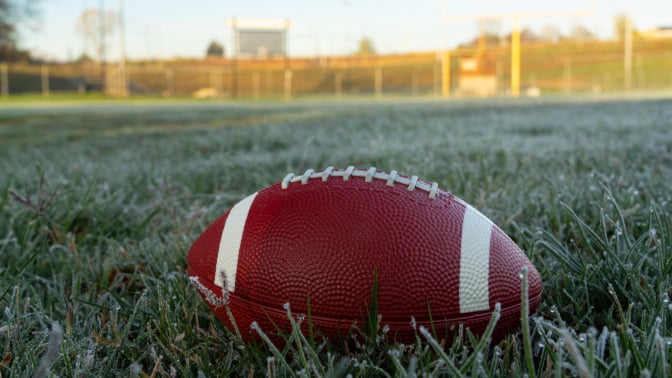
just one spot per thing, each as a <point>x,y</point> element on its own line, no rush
<point>319,240</point>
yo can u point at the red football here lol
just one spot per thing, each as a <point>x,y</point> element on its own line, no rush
<point>317,239</point>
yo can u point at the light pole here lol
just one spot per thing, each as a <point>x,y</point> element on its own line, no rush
<point>123,85</point>
<point>627,49</point>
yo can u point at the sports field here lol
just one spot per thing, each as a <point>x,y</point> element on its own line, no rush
<point>100,202</point>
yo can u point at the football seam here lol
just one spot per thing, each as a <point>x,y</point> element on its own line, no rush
<point>457,318</point>
<point>370,174</point>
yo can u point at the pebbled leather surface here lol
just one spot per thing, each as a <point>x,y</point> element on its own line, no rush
<point>323,241</point>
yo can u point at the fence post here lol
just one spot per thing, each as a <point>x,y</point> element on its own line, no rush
<point>45,80</point>
<point>435,78</point>
<point>379,82</point>
<point>288,85</point>
<point>532,79</point>
<point>170,82</point>
<point>216,81</point>
<point>498,76</point>
<point>268,87</point>
<point>414,83</point>
<point>567,76</point>
<point>338,84</point>
<point>4,79</point>
<point>255,85</point>
<point>641,78</point>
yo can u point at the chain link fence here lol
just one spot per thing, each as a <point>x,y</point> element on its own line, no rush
<point>563,69</point>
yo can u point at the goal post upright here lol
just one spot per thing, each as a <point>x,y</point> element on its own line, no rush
<point>516,18</point>
<point>515,58</point>
<point>445,73</point>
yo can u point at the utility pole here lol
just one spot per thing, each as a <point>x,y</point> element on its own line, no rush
<point>101,31</point>
<point>4,80</point>
<point>101,41</point>
<point>123,85</point>
<point>627,50</point>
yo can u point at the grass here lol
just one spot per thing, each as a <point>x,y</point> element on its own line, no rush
<point>100,203</point>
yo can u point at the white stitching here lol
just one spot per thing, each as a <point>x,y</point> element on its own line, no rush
<point>326,173</point>
<point>285,181</point>
<point>208,295</point>
<point>306,175</point>
<point>413,183</point>
<point>434,190</point>
<point>348,172</point>
<point>393,176</point>
<point>369,175</point>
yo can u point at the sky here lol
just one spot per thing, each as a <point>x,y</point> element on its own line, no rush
<point>159,29</point>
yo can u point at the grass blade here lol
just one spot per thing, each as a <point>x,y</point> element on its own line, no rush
<point>525,323</point>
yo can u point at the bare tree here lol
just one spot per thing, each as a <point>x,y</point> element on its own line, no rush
<point>96,27</point>
<point>550,33</point>
<point>365,47</point>
<point>582,34</point>
<point>13,12</point>
<point>6,26</point>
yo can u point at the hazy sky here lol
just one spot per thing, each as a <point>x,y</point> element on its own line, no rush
<point>170,28</point>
